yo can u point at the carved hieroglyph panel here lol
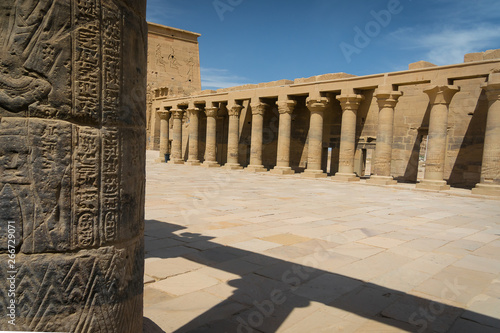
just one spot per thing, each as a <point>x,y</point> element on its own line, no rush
<point>65,183</point>
<point>61,168</point>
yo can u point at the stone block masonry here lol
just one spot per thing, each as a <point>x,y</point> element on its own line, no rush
<point>72,159</point>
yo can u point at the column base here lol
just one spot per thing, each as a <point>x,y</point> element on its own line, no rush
<point>193,163</point>
<point>313,174</point>
<point>163,159</point>
<point>345,177</point>
<point>436,185</point>
<point>256,168</point>
<point>381,180</point>
<point>232,166</point>
<point>486,189</point>
<point>282,171</point>
<point>175,161</point>
<point>208,164</point>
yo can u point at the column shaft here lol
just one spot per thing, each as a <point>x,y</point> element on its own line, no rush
<point>72,165</point>
<point>383,150</point>
<point>164,136</point>
<point>233,137</point>
<point>440,98</point>
<point>285,109</point>
<point>315,148</point>
<point>211,141</point>
<point>193,136</point>
<point>258,110</point>
<point>176,157</point>
<point>350,104</point>
<point>490,169</point>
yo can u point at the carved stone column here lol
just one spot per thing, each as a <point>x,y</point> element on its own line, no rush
<point>72,165</point>
<point>285,108</point>
<point>193,113</point>
<point>350,104</point>
<point>387,101</point>
<point>233,137</point>
<point>316,106</point>
<point>440,98</point>
<point>164,135</point>
<point>258,110</point>
<point>211,142</point>
<point>176,156</point>
<point>490,169</point>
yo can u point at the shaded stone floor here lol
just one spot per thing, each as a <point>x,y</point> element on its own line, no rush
<point>231,251</point>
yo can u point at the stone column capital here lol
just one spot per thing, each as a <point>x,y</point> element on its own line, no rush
<point>441,94</point>
<point>234,110</point>
<point>193,111</point>
<point>350,101</point>
<point>258,108</point>
<point>492,90</point>
<point>387,99</point>
<point>211,111</point>
<point>164,115</point>
<point>286,106</point>
<point>317,104</point>
<point>177,113</point>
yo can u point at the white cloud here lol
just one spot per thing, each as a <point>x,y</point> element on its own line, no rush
<point>214,78</point>
<point>162,11</point>
<point>449,45</point>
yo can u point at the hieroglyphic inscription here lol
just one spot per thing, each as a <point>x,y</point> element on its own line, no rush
<point>110,185</point>
<point>86,186</point>
<point>87,59</point>
<point>111,55</point>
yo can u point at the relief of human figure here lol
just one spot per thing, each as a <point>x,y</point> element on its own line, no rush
<point>173,59</point>
<point>190,72</point>
<point>34,66</point>
<point>160,62</point>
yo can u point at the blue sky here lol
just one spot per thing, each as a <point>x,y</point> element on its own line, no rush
<point>252,41</point>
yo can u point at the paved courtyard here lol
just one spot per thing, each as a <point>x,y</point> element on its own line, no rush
<point>232,251</point>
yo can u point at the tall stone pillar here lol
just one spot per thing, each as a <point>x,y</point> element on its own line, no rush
<point>193,113</point>
<point>233,139</point>
<point>258,110</point>
<point>176,156</point>
<point>211,142</point>
<point>490,169</point>
<point>387,101</point>
<point>72,165</point>
<point>164,135</point>
<point>440,98</point>
<point>350,104</point>
<point>316,106</point>
<point>285,108</point>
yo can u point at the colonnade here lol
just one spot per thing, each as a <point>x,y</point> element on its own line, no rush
<point>440,97</point>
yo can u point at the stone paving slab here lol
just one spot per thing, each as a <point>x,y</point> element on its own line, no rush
<point>230,251</point>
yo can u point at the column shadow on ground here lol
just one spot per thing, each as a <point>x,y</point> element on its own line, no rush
<point>269,289</point>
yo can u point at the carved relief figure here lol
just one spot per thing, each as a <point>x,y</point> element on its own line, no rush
<point>190,72</point>
<point>160,62</point>
<point>31,55</point>
<point>172,59</point>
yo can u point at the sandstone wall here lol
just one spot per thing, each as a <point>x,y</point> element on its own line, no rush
<point>173,69</point>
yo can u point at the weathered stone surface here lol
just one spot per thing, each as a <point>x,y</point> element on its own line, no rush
<point>173,70</point>
<point>324,77</point>
<point>420,64</point>
<point>480,56</point>
<point>72,142</point>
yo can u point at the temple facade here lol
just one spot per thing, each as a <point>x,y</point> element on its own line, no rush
<point>173,69</point>
<point>438,126</point>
